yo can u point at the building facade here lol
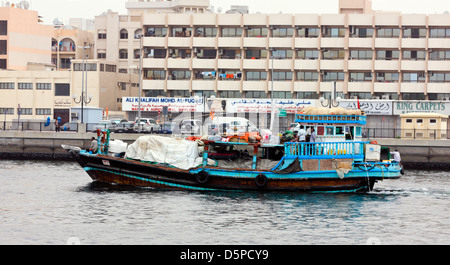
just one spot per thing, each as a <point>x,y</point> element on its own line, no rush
<point>369,54</point>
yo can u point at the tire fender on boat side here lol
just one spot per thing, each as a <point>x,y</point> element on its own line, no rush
<point>202,177</point>
<point>261,181</point>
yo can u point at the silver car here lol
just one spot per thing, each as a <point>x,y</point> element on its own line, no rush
<point>146,125</point>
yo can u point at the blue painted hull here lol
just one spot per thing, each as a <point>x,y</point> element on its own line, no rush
<point>135,173</point>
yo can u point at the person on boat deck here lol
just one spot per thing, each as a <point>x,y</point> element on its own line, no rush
<point>302,134</point>
<point>396,155</point>
<point>94,145</point>
<point>312,138</point>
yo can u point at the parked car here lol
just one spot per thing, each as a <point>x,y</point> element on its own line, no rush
<point>190,126</point>
<point>146,125</point>
<point>105,124</point>
<point>167,128</point>
<point>125,127</point>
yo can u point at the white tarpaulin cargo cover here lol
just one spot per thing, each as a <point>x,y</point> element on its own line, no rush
<point>182,154</point>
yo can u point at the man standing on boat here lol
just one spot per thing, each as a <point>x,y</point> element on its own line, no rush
<point>302,134</point>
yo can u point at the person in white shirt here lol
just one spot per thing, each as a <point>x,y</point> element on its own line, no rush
<point>396,155</point>
<point>302,134</point>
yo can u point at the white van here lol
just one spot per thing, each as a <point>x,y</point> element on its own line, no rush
<point>221,125</point>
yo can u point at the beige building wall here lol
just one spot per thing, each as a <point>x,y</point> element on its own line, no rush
<point>23,26</point>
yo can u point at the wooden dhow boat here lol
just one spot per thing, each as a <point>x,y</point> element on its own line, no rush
<point>339,160</point>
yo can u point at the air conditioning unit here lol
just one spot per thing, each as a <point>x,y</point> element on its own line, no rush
<point>74,115</point>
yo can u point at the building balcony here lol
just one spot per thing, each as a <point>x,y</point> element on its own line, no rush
<point>180,42</point>
<point>229,85</point>
<point>203,63</point>
<point>383,65</point>
<point>439,65</point>
<point>360,87</point>
<point>255,86</point>
<point>328,86</point>
<point>256,42</point>
<point>393,43</point>
<point>306,65</point>
<point>260,64</point>
<point>179,85</point>
<point>281,86</point>
<point>281,43</point>
<point>385,87</point>
<point>178,63</point>
<point>281,64</point>
<point>229,64</point>
<point>438,88</point>
<point>154,63</point>
<point>360,43</point>
<point>203,85</point>
<point>153,84</point>
<point>310,43</point>
<point>332,65</point>
<point>412,87</point>
<point>414,43</point>
<point>204,42</point>
<point>438,43</point>
<point>230,42</point>
<point>332,43</point>
<point>413,65</point>
<point>301,86</point>
<point>360,65</point>
<point>160,42</point>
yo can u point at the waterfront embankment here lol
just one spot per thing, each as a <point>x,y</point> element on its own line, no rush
<point>417,154</point>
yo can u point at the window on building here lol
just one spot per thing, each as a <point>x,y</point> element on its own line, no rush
<point>440,55</point>
<point>388,32</point>
<point>206,53</point>
<point>25,111</point>
<point>7,85</point>
<point>92,67</point>
<point>64,63</point>
<point>180,93</point>
<point>414,77</point>
<point>232,32</point>
<point>282,76</point>
<point>205,32</point>
<point>62,89</point>
<point>282,94</point>
<point>7,111</point>
<point>181,32</point>
<point>230,75</point>
<point>230,94</point>
<point>256,76</point>
<point>439,77</point>
<point>361,55</point>
<point>360,95</point>
<point>230,54</point>
<point>3,27</point>
<point>3,47</point>
<point>179,75</point>
<point>414,55</point>
<point>156,32</point>
<point>282,32</point>
<point>43,111</point>
<point>256,54</point>
<point>155,53</point>
<point>25,86</point>
<point>333,54</point>
<point>361,77</point>
<point>123,54</point>
<point>387,77</point>
<point>330,32</point>
<point>388,55</point>
<point>43,86</point>
<point>308,54</point>
<point>257,32</point>
<point>307,95</point>
<point>180,53</point>
<point>359,32</point>
<point>3,64</point>
<point>255,94</point>
<point>393,96</point>
<point>155,93</point>
<point>155,74</point>
<point>110,68</point>
<point>333,76</point>
<point>440,33</point>
<point>308,32</point>
<point>283,54</point>
<point>205,75</point>
<point>124,34</point>
<point>413,96</point>
<point>122,85</point>
<point>312,76</point>
<point>101,36</point>
<point>414,33</point>
<point>101,55</point>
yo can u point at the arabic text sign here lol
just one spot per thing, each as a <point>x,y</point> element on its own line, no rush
<point>157,104</point>
<point>265,105</point>
<point>370,107</point>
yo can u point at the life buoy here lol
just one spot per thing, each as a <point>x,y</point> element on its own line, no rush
<point>202,177</point>
<point>261,181</point>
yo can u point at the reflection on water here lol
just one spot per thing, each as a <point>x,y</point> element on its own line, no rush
<point>49,203</point>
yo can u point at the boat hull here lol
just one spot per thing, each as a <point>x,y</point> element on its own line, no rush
<point>136,173</point>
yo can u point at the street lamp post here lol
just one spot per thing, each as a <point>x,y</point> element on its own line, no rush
<point>332,101</point>
<point>83,100</point>
<point>272,116</point>
<point>140,82</point>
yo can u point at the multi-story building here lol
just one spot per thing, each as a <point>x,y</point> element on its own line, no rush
<point>369,54</point>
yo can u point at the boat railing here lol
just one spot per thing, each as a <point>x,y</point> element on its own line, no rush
<point>325,150</point>
<point>356,119</point>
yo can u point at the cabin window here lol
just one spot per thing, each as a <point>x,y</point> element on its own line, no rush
<point>339,131</point>
<point>330,131</point>
<point>358,131</point>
